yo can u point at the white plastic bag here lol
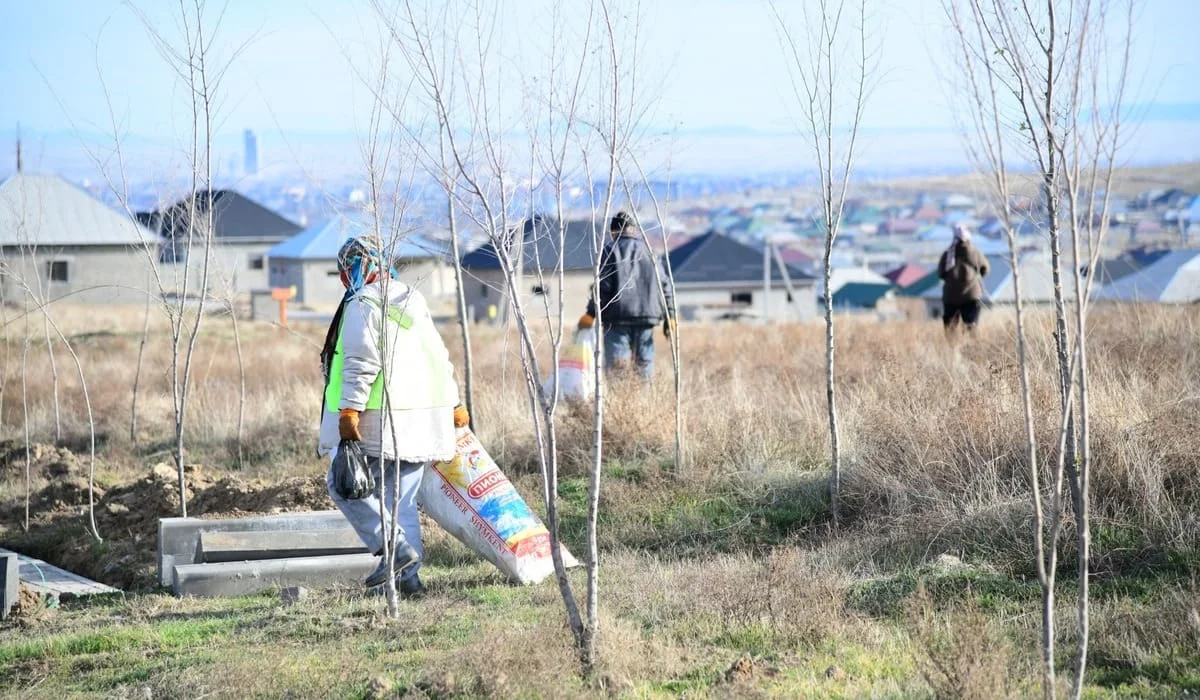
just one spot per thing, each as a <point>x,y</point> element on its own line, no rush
<point>575,374</point>
<point>472,499</point>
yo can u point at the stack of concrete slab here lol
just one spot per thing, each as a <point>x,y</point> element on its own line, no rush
<point>240,556</point>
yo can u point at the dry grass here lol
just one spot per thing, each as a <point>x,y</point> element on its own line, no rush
<point>932,438</point>
<point>732,555</point>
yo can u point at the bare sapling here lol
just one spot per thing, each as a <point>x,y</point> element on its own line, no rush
<point>1041,74</point>
<point>986,136</point>
<point>232,308</point>
<point>87,402</point>
<point>25,418</point>
<point>1097,99</point>
<point>53,369</point>
<point>829,67</point>
<point>192,58</point>
<point>449,183</point>
<point>137,372</point>
<point>462,82</point>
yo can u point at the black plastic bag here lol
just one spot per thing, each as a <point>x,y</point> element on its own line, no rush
<point>351,477</point>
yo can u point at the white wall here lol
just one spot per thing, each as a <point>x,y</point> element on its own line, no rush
<point>229,268</point>
<point>702,303</point>
<point>95,274</point>
<point>486,288</point>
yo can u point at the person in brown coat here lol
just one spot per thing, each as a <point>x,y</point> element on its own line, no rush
<point>962,269</point>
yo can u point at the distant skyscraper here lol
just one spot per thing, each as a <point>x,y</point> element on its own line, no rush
<point>251,155</point>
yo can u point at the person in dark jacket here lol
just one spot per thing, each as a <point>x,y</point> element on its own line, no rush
<point>962,269</point>
<point>635,296</point>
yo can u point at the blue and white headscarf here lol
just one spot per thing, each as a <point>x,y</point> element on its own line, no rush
<point>357,259</point>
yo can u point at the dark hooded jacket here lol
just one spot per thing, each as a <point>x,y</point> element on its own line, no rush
<point>963,283</point>
<point>631,293</point>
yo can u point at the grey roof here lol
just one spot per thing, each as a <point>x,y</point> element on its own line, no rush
<point>235,218</point>
<point>46,210</point>
<point>718,259</point>
<point>1115,269</point>
<point>540,238</point>
<point>1173,278</point>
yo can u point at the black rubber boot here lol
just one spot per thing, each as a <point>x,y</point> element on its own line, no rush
<point>404,557</point>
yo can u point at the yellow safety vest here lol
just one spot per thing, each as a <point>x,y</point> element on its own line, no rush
<point>426,384</point>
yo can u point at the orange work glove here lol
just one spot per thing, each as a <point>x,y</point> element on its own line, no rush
<point>461,418</point>
<point>348,425</point>
<point>668,327</point>
<point>586,321</point>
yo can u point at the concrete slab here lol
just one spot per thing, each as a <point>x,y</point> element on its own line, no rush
<point>49,580</point>
<point>276,544</point>
<point>10,584</point>
<point>247,577</point>
<point>178,538</point>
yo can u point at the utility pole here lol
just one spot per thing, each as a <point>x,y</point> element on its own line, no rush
<point>766,304</point>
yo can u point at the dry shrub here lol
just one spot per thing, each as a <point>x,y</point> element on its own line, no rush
<point>787,598</point>
<point>1130,634</point>
<point>541,652</point>
<point>961,652</point>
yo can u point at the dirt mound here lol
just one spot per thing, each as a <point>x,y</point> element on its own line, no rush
<point>232,495</point>
<point>127,514</point>
<point>747,669</point>
<point>65,473</point>
<point>137,506</point>
<point>44,459</point>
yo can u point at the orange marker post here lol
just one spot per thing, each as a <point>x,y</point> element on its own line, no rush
<point>282,295</point>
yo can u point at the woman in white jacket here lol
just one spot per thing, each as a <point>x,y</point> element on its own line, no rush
<point>389,384</point>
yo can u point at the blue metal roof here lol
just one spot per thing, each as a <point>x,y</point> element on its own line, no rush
<point>322,241</point>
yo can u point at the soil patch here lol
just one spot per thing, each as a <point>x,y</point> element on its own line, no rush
<point>127,514</point>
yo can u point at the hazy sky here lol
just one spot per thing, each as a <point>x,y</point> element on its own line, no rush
<point>718,61</point>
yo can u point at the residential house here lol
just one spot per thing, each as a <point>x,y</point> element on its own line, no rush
<point>1174,278</point>
<point>538,260</point>
<point>1191,217</point>
<point>308,261</point>
<point>899,227</point>
<point>927,214</point>
<point>717,277</point>
<point>906,275</point>
<point>843,275</point>
<point>1173,198</point>
<point>866,296</point>
<point>242,232</point>
<point>958,202</point>
<point>58,241</point>
<point>1114,269</point>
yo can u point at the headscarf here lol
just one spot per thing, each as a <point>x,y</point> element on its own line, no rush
<point>961,235</point>
<point>358,262</point>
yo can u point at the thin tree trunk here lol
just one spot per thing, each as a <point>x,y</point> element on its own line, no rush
<point>53,375</point>
<point>1083,489</point>
<point>25,422</point>
<point>241,419</point>
<point>460,289</point>
<point>87,402</point>
<point>137,374</point>
<point>835,464</point>
<point>206,115</point>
